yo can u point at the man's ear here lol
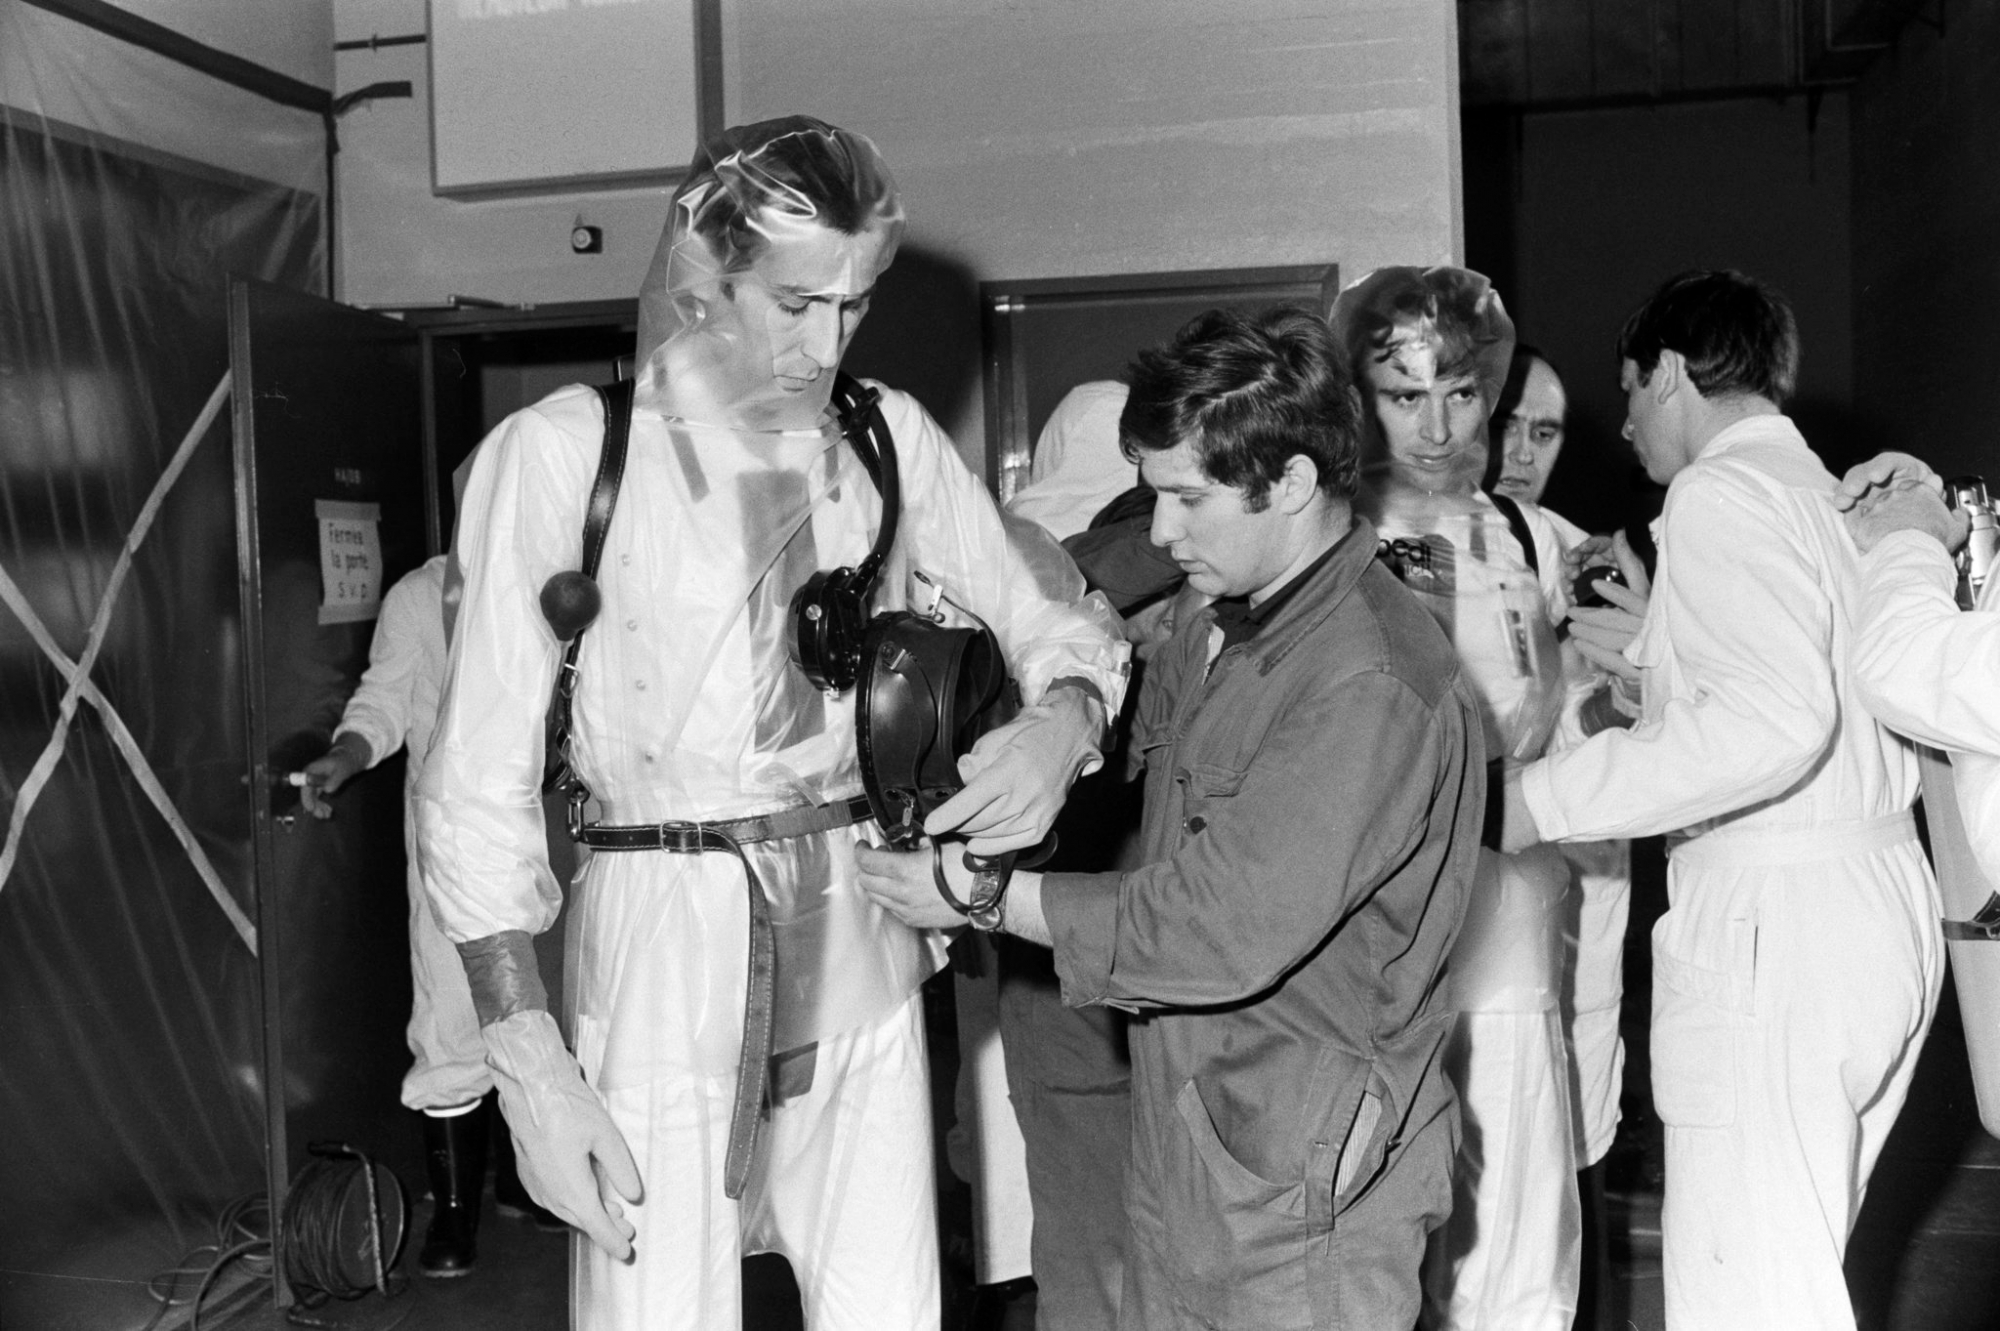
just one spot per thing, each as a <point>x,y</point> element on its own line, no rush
<point>1297,484</point>
<point>1669,375</point>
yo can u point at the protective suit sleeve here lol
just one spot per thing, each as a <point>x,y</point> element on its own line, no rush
<point>1318,823</point>
<point>1568,534</point>
<point>1007,570</point>
<point>1925,668</point>
<point>1755,706</point>
<point>479,809</point>
<point>379,712</point>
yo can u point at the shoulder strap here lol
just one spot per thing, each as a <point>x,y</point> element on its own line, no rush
<point>617,398</point>
<point>1517,522</point>
<point>610,474</point>
<point>859,409</point>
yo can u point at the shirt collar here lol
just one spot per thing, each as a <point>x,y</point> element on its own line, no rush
<point>1318,589</point>
<point>1241,621</point>
<point>1753,430</point>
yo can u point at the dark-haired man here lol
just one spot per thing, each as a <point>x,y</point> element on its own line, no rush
<point>1315,787</point>
<point>1797,967</point>
<point>1533,416</point>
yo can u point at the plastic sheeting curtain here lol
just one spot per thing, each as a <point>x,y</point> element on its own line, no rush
<point>130,1096</point>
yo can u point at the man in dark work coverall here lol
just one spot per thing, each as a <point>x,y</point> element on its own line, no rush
<point>1315,789</point>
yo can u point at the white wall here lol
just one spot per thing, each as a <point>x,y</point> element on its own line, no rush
<point>1041,138</point>
<point>293,37</point>
<point>1032,138</point>
<point>402,245</point>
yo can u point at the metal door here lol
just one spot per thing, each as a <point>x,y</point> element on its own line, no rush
<point>332,490</point>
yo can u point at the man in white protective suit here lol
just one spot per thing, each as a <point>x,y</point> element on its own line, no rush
<point>1927,668</point>
<point>395,705</point>
<point>1532,422</point>
<point>697,733</point>
<point>1797,968</point>
<point>1430,349</point>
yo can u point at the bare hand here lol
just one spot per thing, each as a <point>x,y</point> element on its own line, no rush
<point>1602,633</point>
<point>1884,471</point>
<point>1586,553</point>
<point>1910,506</point>
<point>1147,628</point>
<point>1017,777</point>
<point>901,882</point>
<point>329,772</point>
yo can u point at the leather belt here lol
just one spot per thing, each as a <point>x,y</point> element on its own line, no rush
<point>729,836</point>
<point>689,838</point>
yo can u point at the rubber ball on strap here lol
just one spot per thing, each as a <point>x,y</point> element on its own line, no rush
<point>570,602</point>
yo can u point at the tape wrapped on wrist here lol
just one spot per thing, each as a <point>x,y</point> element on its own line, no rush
<point>501,971</point>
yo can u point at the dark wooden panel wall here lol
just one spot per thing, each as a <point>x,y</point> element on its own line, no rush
<point>1542,52</point>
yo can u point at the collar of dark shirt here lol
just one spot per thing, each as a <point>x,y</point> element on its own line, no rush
<point>1240,621</point>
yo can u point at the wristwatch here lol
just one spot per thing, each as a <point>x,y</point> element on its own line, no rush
<point>986,911</point>
<point>990,877</point>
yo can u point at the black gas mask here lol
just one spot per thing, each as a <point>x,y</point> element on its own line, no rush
<point>926,692</point>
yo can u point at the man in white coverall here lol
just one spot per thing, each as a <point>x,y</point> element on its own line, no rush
<point>1797,968</point>
<point>1926,667</point>
<point>738,487</point>
<point>395,706</point>
<point>1532,422</point>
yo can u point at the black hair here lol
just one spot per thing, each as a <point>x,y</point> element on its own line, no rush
<point>1525,356</point>
<point>1737,335</point>
<point>1248,392</point>
<point>838,181</point>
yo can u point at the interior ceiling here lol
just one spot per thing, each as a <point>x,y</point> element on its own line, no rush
<point>1555,53</point>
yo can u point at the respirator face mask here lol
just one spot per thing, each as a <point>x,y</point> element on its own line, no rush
<point>926,692</point>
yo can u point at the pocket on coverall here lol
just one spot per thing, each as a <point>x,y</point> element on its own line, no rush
<point>1239,1239</point>
<point>1704,988</point>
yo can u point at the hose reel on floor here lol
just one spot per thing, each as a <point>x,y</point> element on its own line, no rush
<point>346,1217</point>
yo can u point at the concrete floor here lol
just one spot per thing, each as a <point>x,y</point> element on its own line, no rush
<point>1925,1256</point>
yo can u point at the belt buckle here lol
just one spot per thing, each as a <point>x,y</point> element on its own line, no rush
<point>680,838</point>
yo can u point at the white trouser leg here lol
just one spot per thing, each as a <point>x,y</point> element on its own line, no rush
<point>450,1055</point>
<point>848,1194</point>
<point>843,1189</point>
<point>1508,1258</point>
<point>1594,990</point>
<point>1789,1009</point>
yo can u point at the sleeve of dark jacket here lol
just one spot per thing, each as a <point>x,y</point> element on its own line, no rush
<point>1331,806</point>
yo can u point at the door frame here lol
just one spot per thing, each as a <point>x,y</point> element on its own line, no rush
<point>442,328</point>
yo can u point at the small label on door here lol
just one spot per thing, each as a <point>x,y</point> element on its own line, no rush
<point>350,560</point>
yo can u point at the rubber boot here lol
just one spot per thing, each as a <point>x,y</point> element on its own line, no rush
<point>510,1196</point>
<point>455,1158</point>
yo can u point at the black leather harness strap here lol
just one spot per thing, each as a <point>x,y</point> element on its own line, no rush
<point>861,420</point>
<point>1517,522</point>
<point>557,772</point>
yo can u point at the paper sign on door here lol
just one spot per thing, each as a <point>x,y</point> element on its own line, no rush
<point>350,561</point>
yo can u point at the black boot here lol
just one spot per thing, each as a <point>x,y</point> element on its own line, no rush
<point>455,1156</point>
<point>510,1197</point>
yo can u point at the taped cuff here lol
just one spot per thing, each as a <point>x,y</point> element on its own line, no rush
<point>500,969</point>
